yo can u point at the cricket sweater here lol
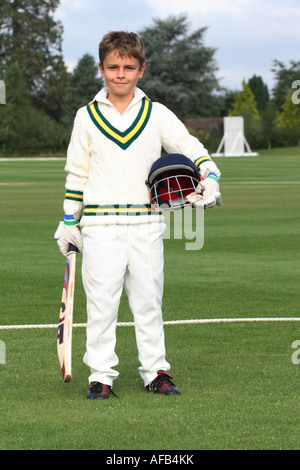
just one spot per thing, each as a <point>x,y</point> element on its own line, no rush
<point>110,155</point>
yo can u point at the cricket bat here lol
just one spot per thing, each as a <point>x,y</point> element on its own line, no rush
<point>65,325</point>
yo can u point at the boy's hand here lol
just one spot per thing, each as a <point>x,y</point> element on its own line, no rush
<point>207,194</point>
<point>68,234</point>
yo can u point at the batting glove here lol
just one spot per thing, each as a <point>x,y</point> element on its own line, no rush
<point>66,234</point>
<point>207,193</point>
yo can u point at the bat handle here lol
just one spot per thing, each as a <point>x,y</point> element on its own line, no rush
<point>72,249</point>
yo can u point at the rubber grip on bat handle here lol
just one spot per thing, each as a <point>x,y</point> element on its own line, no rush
<point>72,248</point>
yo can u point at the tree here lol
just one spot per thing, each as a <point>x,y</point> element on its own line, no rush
<point>268,122</point>
<point>289,119</point>
<point>24,129</point>
<point>245,105</point>
<point>52,90</point>
<point>260,92</point>
<point>284,77</point>
<point>30,36</point>
<point>15,115</point>
<point>244,102</point>
<point>180,70</point>
<point>83,85</point>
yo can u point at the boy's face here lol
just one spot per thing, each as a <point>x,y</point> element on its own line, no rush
<point>121,74</point>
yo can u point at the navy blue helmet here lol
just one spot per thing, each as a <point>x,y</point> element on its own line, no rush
<point>171,178</point>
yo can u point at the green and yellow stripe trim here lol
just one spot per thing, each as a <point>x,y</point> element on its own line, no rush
<point>116,209</point>
<point>74,195</point>
<point>202,160</point>
<point>122,139</point>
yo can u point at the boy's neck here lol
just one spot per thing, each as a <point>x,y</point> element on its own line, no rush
<point>121,103</point>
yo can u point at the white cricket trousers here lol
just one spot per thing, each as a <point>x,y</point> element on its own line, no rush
<point>131,256</point>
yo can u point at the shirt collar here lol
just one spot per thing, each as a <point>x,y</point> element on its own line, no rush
<point>101,96</point>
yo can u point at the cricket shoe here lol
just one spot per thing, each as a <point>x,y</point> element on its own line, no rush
<point>99,391</point>
<point>162,384</point>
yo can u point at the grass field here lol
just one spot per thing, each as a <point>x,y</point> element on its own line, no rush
<point>240,387</point>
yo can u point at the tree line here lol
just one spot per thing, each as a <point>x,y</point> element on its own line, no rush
<point>42,97</point>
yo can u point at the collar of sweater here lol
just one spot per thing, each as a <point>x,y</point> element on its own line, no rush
<point>101,97</point>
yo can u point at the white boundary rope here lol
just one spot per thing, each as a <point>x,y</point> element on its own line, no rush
<point>174,322</point>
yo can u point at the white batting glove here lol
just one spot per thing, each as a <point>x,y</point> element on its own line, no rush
<point>207,193</point>
<point>68,234</point>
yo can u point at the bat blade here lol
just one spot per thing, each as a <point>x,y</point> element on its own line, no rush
<point>65,324</point>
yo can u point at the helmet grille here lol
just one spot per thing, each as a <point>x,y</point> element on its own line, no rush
<point>170,190</point>
<point>171,179</point>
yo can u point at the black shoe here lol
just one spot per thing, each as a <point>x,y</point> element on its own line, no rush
<point>162,384</point>
<point>99,391</point>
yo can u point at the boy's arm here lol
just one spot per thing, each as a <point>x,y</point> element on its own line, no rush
<point>77,167</point>
<point>177,139</point>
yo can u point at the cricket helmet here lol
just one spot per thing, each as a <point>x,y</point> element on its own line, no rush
<point>171,178</point>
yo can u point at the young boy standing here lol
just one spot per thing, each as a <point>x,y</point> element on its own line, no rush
<point>114,142</point>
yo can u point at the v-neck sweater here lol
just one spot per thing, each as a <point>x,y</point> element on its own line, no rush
<point>110,155</point>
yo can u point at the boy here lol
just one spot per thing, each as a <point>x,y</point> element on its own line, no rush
<point>114,142</point>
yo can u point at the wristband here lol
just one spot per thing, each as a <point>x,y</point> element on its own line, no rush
<point>213,176</point>
<point>69,220</point>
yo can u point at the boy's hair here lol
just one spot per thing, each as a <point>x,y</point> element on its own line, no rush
<point>124,43</point>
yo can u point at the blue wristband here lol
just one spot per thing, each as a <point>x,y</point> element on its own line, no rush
<point>213,176</point>
<point>69,220</point>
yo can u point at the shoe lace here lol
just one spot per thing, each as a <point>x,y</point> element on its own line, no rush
<point>163,381</point>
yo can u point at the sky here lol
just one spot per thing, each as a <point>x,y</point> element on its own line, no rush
<point>248,35</point>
